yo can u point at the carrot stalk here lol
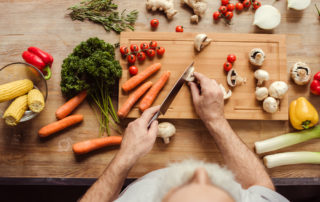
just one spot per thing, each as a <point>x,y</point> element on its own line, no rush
<point>139,78</point>
<point>60,125</point>
<point>133,98</point>
<point>69,106</point>
<point>93,144</point>
<point>151,95</point>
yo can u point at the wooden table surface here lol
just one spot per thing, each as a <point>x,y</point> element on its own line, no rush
<point>46,24</point>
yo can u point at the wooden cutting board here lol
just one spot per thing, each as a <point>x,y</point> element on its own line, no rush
<point>180,53</point>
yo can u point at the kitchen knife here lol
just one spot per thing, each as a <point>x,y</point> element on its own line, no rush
<point>172,94</point>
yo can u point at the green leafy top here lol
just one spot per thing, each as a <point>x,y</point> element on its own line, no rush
<point>104,12</point>
<point>91,64</point>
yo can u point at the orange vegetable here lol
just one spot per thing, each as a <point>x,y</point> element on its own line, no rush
<point>139,78</point>
<point>93,144</point>
<point>133,98</point>
<point>151,95</point>
<point>69,106</point>
<point>60,125</point>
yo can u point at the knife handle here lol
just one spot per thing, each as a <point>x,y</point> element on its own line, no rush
<point>155,116</point>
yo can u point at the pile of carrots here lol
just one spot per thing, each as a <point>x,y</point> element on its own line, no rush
<point>150,96</point>
<point>65,121</point>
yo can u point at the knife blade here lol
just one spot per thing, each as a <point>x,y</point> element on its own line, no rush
<point>172,94</point>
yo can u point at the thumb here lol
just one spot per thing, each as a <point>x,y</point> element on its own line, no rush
<point>153,130</point>
<point>195,92</point>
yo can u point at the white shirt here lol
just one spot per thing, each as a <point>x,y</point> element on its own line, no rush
<point>144,189</point>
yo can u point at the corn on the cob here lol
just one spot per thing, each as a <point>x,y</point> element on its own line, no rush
<point>35,100</point>
<point>14,89</point>
<point>16,110</point>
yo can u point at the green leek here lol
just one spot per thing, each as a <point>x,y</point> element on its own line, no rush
<point>290,158</point>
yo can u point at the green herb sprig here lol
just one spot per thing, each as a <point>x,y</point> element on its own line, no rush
<point>104,12</point>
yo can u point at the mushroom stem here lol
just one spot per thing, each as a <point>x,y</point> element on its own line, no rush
<point>301,72</point>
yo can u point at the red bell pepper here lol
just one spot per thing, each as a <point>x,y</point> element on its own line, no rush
<point>40,59</point>
<point>315,85</point>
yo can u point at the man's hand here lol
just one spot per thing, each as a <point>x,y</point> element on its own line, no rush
<point>138,140</point>
<point>208,100</point>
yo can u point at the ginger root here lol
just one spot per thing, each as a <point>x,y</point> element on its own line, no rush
<point>162,5</point>
<point>199,8</point>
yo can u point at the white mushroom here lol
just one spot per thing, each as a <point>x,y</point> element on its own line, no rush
<point>256,56</point>
<point>270,105</point>
<point>261,76</point>
<point>278,89</point>
<point>301,73</point>
<point>189,75</point>
<point>234,79</point>
<point>200,41</point>
<point>226,94</point>
<point>261,93</point>
<point>165,131</point>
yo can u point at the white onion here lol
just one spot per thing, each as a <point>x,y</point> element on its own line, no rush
<point>267,17</point>
<point>298,4</point>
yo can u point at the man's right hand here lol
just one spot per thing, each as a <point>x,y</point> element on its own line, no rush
<point>207,98</point>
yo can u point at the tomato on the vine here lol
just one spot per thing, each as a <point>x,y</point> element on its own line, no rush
<point>124,50</point>
<point>141,56</point>
<point>179,28</point>
<point>246,3</point>
<point>134,48</point>
<point>239,6</point>
<point>133,70</point>
<point>131,58</point>
<point>227,66</point>
<point>144,46</point>
<point>231,58</point>
<point>224,2</point>
<point>154,23</point>
<point>223,9</point>
<point>216,15</point>
<point>151,53</point>
<point>153,45</point>
<point>160,51</point>
<point>256,5</point>
<point>230,7</point>
<point>229,15</point>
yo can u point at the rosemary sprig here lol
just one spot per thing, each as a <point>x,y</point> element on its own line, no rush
<point>104,12</point>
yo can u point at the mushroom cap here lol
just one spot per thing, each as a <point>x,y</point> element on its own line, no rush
<point>234,79</point>
<point>200,41</point>
<point>278,89</point>
<point>261,76</point>
<point>261,93</point>
<point>256,56</point>
<point>270,105</point>
<point>301,73</point>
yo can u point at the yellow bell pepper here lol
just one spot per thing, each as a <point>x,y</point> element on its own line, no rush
<point>302,114</point>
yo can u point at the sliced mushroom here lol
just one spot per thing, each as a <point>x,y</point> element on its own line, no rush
<point>256,56</point>
<point>226,95</point>
<point>234,79</point>
<point>278,89</point>
<point>301,73</point>
<point>261,93</point>
<point>270,105</point>
<point>190,76</point>
<point>261,76</point>
<point>200,41</point>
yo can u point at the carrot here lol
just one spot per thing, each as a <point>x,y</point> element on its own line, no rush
<point>69,106</point>
<point>60,125</point>
<point>93,144</point>
<point>151,95</point>
<point>133,98</point>
<point>137,79</point>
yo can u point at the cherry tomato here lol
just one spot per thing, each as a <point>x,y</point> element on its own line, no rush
<point>141,56</point>
<point>231,58</point>
<point>230,7</point>
<point>151,53</point>
<point>239,6</point>
<point>144,46</point>
<point>160,51</point>
<point>179,28</point>
<point>224,2</point>
<point>153,45</point>
<point>134,48</point>
<point>227,66</point>
<point>131,58</point>
<point>223,9</point>
<point>216,15</point>
<point>133,70</point>
<point>154,23</point>
<point>246,3</point>
<point>229,15</point>
<point>124,50</point>
<point>256,5</point>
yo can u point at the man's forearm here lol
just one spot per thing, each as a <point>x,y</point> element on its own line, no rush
<point>248,169</point>
<point>109,184</point>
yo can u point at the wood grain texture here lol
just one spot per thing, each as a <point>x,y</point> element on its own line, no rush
<point>180,53</point>
<point>46,24</point>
